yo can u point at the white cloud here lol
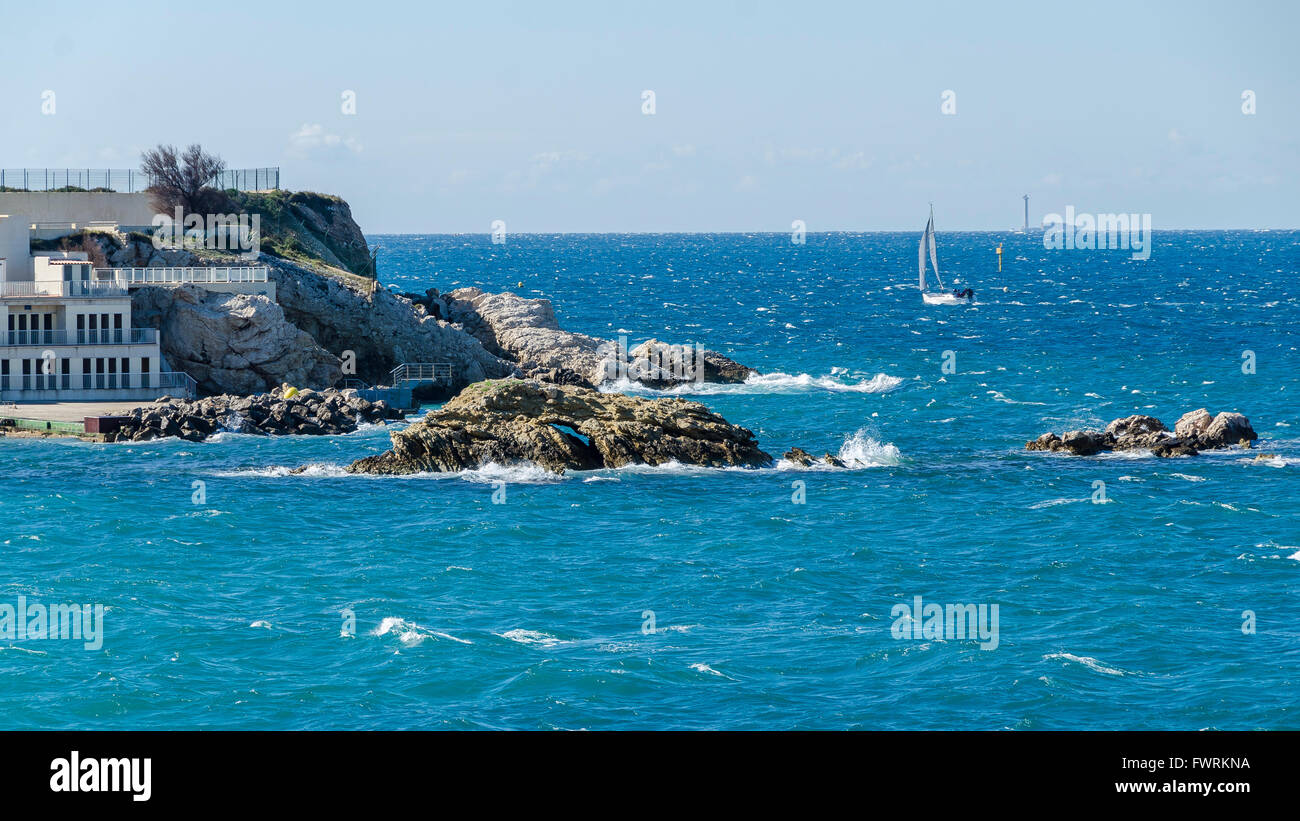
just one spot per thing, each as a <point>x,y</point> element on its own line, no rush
<point>312,137</point>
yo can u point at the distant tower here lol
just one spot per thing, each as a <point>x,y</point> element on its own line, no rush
<point>1026,213</point>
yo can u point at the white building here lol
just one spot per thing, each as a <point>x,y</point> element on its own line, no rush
<point>66,335</point>
<point>65,326</point>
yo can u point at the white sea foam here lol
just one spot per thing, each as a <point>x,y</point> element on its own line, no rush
<point>999,396</point>
<point>859,450</point>
<point>409,633</point>
<point>531,637</point>
<point>777,383</point>
<point>523,473</point>
<point>1089,662</point>
<point>1056,502</point>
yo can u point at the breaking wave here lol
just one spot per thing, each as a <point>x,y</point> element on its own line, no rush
<point>859,450</point>
<point>764,383</point>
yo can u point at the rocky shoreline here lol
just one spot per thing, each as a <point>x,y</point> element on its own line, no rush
<point>281,412</point>
<point>1194,431</point>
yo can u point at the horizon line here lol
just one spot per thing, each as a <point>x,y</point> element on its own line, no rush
<point>1011,231</point>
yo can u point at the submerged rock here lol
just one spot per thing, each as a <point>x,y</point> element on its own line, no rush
<point>803,458</point>
<point>1195,431</point>
<point>563,428</point>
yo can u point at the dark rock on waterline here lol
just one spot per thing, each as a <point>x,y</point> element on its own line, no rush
<point>1195,431</point>
<point>803,458</point>
<point>278,413</point>
<point>559,428</point>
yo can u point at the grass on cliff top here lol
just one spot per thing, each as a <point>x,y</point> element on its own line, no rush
<point>285,234</point>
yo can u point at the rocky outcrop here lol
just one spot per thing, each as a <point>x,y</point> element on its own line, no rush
<point>232,343</point>
<point>527,332</point>
<point>803,458</point>
<point>563,428</point>
<point>661,365</point>
<point>280,412</point>
<point>383,329</point>
<point>1195,431</point>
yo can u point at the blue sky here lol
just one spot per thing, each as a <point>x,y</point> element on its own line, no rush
<point>764,112</point>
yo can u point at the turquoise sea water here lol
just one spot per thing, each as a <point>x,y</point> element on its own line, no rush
<point>768,614</point>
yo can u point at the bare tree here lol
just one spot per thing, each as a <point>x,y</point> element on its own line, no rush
<point>182,179</point>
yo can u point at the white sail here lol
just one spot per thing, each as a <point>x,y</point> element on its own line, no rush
<point>934,263</point>
<point>920,251</point>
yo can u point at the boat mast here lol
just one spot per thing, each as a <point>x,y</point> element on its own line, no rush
<point>934,262</point>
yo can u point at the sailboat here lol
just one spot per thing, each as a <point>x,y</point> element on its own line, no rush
<point>942,296</point>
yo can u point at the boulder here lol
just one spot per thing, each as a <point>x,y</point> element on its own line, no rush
<point>1227,429</point>
<point>1086,442</point>
<point>562,428</point>
<point>798,456</point>
<point>314,413</point>
<point>1192,424</point>
<point>1173,447</point>
<point>1195,431</point>
<point>1048,441</point>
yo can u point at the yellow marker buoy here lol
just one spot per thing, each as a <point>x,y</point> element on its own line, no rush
<point>999,257</point>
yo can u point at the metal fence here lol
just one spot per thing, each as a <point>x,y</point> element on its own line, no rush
<point>83,179</point>
<point>124,181</point>
<point>248,179</point>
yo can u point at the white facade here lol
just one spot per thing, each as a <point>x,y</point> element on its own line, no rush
<point>66,335</point>
<point>69,211</point>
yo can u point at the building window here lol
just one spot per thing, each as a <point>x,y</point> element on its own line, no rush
<point>65,373</point>
<point>85,374</point>
<point>144,372</point>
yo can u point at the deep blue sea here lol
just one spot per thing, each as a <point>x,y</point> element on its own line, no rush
<point>228,609</point>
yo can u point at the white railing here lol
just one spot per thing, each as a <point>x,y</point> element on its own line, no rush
<point>421,372</point>
<point>87,289</point>
<point>174,382</point>
<point>181,276</point>
<point>110,336</point>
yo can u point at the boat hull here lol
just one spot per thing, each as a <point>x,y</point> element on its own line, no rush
<point>944,299</point>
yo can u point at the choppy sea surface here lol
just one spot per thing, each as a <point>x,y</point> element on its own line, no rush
<point>1132,592</point>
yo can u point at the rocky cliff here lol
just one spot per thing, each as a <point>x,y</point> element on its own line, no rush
<point>527,332</point>
<point>327,318</point>
<point>382,328</point>
<point>232,343</point>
